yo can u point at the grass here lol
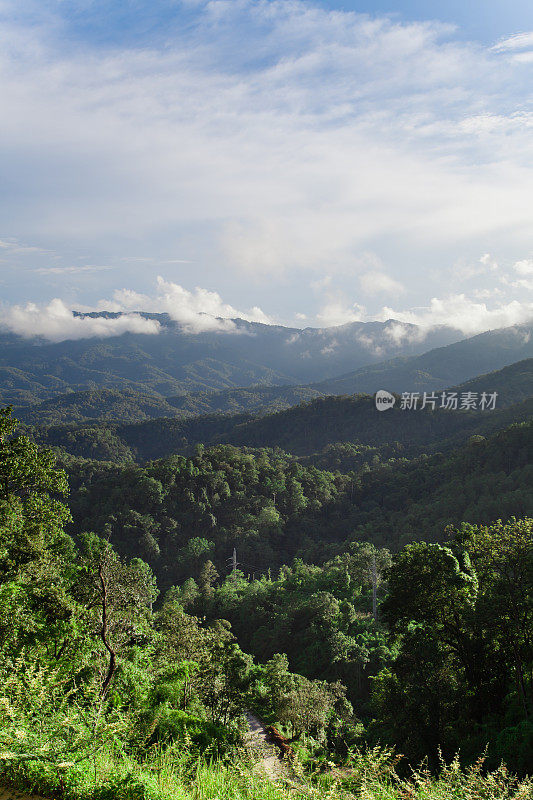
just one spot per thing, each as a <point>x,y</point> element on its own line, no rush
<point>172,774</point>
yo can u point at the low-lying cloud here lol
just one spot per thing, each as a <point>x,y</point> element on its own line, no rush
<point>196,311</point>
<point>457,311</point>
<point>466,315</point>
<point>201,310</point>
<point>56,322</point>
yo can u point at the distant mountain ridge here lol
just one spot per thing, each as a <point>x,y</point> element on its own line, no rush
<point>441,367</point>
<point>437,369</point>
<point>174,362</point>
<point>307,429</point>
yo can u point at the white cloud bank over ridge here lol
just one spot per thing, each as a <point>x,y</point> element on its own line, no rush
<point>204,311</point>
<point>456,311</point>
<point>56,323</point>
<point>196,312</point>
<point>468,316</point>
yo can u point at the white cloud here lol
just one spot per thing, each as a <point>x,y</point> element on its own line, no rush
<point>321,283</point>
<point>56,323</point>
<point>196,311</point>
<point>370,344</point>
<point>71,270</point>
<point>379,282</point>
<point>400,333</point>
<point>524,283</point>
<point>523,58</point>
<point>524,267</point>
<point>201,310</point>
<point>486,264</point>
<point>517,42</point>
<point>13,247</point>
<point>486,294</point>
<point>337,312</point>
<point>345,129</point>
<point>487,261</point>
<point>468,316</point>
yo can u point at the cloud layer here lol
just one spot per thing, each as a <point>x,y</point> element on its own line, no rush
<point>327,130</point>
<point>202,311</point>
<point>196,311</point>
<point>259,169</point>
<point>55,322</point>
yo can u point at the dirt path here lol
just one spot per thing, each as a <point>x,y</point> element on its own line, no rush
<point>14,794</point>
<point>269,759</point>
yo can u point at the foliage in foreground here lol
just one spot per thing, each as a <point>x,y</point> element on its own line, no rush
<point>172,774</point>
<point>104,695</point>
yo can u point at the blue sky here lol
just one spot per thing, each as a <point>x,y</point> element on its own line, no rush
<point>292,162</point>
<point>479,20</point>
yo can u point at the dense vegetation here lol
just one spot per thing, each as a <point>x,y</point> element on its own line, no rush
<point>130,406</point>
<point>334,433</point>
<point>360,614</point>
<point>306,430</point>
<point>177,512</point>
<point>513,385</point>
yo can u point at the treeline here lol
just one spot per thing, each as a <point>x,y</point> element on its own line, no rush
<point>92,659</point>
<point>308,430</point>
<point>400,501</point>
<point>324,618</point>
<point>513,385</point>
<point>126,405</point>
<point>445,662</point>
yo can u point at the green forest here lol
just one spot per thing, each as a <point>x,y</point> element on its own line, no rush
<point>371,600</point>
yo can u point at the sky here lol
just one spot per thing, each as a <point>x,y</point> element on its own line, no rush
<point>289,162</point>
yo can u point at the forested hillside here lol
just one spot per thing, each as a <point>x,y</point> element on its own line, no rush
<point>176,360</point>
<point>176,513</point>
<point>130,406</point>
<point>439,368</point>
<point>123,678</point>
<point>347,574</point>
<point>513,384</point>
<point>314,429</point>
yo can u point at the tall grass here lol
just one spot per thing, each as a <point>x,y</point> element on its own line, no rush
<point>172,774</point>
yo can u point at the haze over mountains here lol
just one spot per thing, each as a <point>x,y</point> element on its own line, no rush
<point>174,361</point>
<point>311,429</point>
<point>254,369</point>
<point>441,367</point>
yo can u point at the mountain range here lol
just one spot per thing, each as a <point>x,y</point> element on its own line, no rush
<point>308,429</point>
<point>117,379</point>
<point>175,362</point>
